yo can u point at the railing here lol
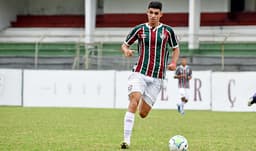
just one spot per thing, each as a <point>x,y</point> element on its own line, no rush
<point>223,53</point>
<point>76,63</point>
<point>37,51</point>
<point>91,55</point>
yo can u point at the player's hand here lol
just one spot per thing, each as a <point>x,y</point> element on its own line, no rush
<point>172,66</point>
<point>181,76</point>
<point>128,53</point>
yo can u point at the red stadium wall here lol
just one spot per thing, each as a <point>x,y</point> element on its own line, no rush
<point>130,20</point>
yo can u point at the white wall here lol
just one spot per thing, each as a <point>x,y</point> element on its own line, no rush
<point>69,88</point>
<point>217,91</point>
<point>8,11</point>
<point>50,7</point>
<point>169,6</point>
<point>231,90</point>
<point>199,93</point>
<point>10,87</point>
<point>215,5</point>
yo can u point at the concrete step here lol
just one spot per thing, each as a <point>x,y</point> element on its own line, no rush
<point>121,63</point>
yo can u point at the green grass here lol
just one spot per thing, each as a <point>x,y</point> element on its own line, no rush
<point>101,130</point>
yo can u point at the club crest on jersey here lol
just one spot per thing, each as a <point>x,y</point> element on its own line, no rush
<point>162,36</point>
<point>130,88</point>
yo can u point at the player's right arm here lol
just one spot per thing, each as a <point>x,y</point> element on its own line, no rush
<point>173,42</point>
<point>130,39</point>
<point>126,50</point>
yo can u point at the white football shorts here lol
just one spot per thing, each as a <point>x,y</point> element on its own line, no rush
<point>149,87</point>
<point>184,92</point>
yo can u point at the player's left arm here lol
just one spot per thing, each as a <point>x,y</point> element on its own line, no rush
<point>173,42</point>
<point>175,57</point>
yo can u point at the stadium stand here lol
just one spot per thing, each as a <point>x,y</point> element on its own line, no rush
<point>57,48</point>
<point>55,41</point>
<point>130,20</point>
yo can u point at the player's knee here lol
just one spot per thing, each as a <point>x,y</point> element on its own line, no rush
<point>133,104</point>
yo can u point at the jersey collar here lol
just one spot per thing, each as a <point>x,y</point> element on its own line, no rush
<point>183,66</point>
<point>160,25</point>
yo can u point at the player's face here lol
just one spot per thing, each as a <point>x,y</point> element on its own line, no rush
<point>184,61</point>
<point>154,16</point>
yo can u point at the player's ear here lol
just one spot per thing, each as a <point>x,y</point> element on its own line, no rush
<point>161,14</point>
<point>147,12</point>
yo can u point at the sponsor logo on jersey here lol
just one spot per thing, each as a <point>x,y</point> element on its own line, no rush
<point>143,36</point>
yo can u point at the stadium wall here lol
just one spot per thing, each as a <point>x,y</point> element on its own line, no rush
<point>8,11</point>
<point>169,6</point>
<point>55,7</point>
<point>69,88</point>
<point>215,91</point>
<point>10,87</point>
<point>230,90</point>
<point>76,7</point>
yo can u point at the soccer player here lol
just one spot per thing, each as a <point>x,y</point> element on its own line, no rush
<point>144,83</point>
<point>252,100</point>
<point>184,75</point>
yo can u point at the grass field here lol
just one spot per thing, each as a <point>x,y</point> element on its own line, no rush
<point>102,130</point>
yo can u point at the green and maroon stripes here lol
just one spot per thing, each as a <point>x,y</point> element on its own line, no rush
<point>142,53</point>
<point>159,50</point>
<point>153,53</point>
<point>133,35</point>
<point>152,61</point>
<point>164,56</point>
<point>146,46</point>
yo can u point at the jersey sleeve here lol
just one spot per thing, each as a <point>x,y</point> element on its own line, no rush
<point>173,41</point>
<point>177,72</point>
<point>132,36</point>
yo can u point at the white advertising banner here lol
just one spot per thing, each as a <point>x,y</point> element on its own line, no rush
<point>69,88</point>
<point>200,95</point>
<point>10,87</point>
<point>199,92</point>
<point>122,99</point>
<point>231,90</point>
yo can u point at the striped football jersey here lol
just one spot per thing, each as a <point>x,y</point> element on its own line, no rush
<point>152,48</point>
<point>181,70</point>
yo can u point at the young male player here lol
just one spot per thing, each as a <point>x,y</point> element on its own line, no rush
<point>184,75</point>
<point>144,83</point>
<point>252,100</point>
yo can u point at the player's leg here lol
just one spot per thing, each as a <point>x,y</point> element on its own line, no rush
<point>144,108</point>
<point>181,102</point>
<point>129,118</point>
<point>252,100</point>
<point>149,97</point>
<point>184,100</point>
<point>136,88</point>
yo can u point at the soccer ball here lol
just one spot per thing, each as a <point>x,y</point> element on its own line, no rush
<point>178,143</point>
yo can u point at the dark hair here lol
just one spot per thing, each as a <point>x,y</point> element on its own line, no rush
<point>155,4</point>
